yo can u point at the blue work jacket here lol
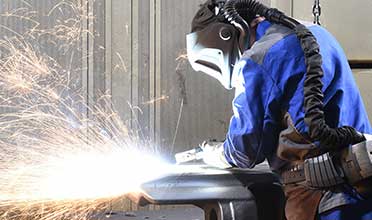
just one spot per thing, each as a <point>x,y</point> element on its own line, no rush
<point>268,82</point>
<point>269,86</point>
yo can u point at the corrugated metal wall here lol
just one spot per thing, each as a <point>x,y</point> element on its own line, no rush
<point>145,47</point>
<point>24,19</point>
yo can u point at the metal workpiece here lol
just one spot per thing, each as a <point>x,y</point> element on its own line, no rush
<point>237,194</point>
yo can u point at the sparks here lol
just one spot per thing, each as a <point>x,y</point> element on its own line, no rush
<point>58,153</point>
<point>59,157</point>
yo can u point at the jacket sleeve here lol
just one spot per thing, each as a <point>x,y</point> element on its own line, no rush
<point>251,124</point>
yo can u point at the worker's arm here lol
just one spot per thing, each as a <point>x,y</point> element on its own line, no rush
<point>253,127</point>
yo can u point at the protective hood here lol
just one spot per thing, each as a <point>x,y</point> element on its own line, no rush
<point>213,45</point>
<point>214,51</point>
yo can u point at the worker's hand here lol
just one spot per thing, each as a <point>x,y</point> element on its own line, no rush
<point>213,155</point>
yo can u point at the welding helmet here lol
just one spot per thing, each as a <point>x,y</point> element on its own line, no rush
<point>215,45</point>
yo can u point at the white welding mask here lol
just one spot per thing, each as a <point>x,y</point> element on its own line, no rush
<point>214,51</point>
<point>214,46</point>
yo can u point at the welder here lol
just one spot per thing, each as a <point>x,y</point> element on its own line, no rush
<point>296,104</point>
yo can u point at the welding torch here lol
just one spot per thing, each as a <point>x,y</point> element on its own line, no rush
<point>209,152</point>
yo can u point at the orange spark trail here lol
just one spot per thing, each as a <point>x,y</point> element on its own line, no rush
<point>59,158</point>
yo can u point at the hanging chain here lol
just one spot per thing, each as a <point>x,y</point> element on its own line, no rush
<point>317,11</point>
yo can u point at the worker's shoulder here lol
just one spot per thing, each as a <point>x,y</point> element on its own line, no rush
<point>280,42</point>
<point>274,34</point>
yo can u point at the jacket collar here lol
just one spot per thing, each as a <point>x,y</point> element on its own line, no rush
<point>262,28</point>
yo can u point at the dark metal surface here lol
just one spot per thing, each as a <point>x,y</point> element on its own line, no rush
<point>192,213</point>
<point>223,194</point>
<point>231,210</point>
<point>201,184</point>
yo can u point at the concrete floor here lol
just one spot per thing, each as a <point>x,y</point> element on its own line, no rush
<point>171,214</point>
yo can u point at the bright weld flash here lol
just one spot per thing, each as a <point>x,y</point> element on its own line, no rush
<point>86,175</point>
<point>97,175</point>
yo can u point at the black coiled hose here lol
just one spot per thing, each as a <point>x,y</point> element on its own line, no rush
<point>329,138</point>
